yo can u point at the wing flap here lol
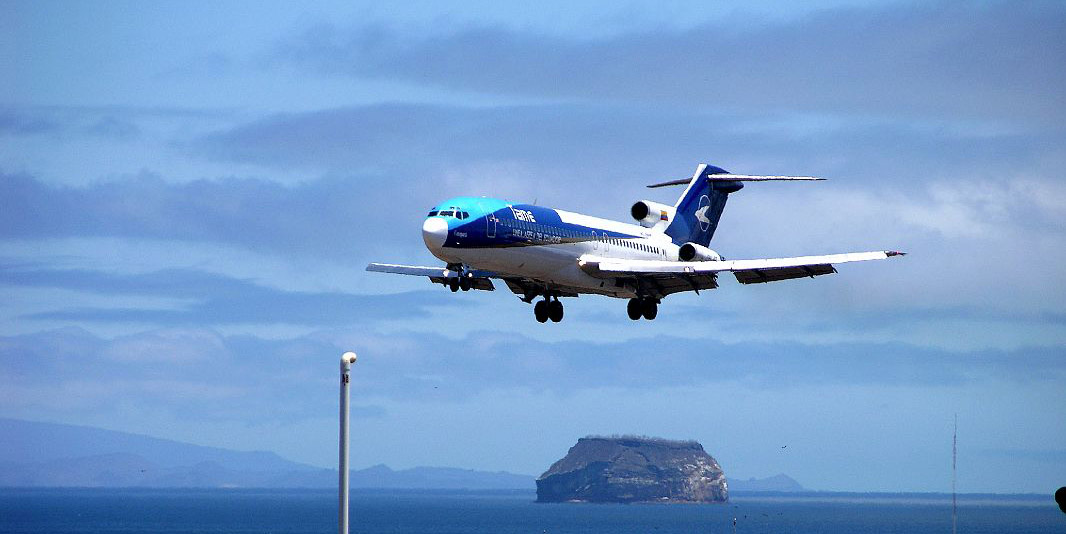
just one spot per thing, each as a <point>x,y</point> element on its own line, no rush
<point>483,284</point>
<point>531,288</point>
<point>759,276</point>
<point>675,283</point>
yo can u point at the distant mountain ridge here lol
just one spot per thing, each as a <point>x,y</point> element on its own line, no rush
<point>58,455</point>
<point>776,483</point>
<point>35,442</point>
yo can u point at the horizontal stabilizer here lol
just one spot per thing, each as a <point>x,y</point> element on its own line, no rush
<point>741,178</point>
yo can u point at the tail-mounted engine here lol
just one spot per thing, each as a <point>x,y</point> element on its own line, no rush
<point>696,252</point>
<point>650,214</point>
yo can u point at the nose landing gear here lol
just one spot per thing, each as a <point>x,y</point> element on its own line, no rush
<point>647,308</point>
<point>548,309</point>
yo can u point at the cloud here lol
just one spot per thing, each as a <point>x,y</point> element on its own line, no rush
<point>257,214</point>
<point>943,60</point>
<point>561,155</point>
<point>180,374</point>
<point>939,127</point>
<point>416,138</point>
<point>625,143</point>
<point>111,126</point>
<point>198,385</point>
<point>193,370</point>
<point>961,216</point>
<point>213,299</point>
<point>64,123</point>
<point>19,122</point>
<point>166,347</point>
<point>970,241</point>
<point>596,159</point>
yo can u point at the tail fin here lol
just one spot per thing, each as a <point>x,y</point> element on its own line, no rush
<point>700,206</point>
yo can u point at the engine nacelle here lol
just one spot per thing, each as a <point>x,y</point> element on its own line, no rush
<point>650,214</point>
<point>695,252</point>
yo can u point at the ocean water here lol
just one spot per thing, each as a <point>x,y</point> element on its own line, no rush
<point>127,511</point>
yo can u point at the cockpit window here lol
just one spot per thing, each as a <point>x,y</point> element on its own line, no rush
<point>433,213</point>
<point>448,213</point>
<point>463,214</point>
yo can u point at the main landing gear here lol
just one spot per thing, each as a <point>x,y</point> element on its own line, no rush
<point>548,309</point>
<point>455,284</point>
<point>647,308</point>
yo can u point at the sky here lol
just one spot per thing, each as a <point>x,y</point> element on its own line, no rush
<point>189,194</point>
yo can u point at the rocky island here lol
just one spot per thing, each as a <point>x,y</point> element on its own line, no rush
<point>634,469</point>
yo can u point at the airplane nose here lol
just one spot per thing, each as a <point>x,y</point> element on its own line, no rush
<point>434,232</point>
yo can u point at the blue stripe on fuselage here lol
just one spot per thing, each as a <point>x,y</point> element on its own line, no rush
<point>496,223</point>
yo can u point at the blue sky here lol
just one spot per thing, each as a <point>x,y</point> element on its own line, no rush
<point>189,194</point>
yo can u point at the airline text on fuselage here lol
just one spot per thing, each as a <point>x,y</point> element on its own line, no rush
<point>522,215</point>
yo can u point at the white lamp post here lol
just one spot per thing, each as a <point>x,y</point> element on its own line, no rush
<point>347,359</point>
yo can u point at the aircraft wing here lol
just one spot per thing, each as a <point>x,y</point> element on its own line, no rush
<point>746,271</point>
<point>528,288</point>
<point>439,275</point>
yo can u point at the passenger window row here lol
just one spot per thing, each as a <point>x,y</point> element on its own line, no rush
<point>542,228</point>
<point>635,245</point>
<point>567,233</point>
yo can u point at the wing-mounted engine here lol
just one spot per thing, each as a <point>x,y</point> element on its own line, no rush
<point>651,214</point>
<point>697,252</point>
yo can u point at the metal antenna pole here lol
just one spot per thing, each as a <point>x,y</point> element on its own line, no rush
<point>347,359</point>
<point>954,452</point>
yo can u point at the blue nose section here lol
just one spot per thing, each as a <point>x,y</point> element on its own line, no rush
<point>434,233</point>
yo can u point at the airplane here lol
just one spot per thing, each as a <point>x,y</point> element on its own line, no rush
<point>545,253</point>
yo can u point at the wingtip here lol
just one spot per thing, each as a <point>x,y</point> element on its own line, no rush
<point>891,253</point>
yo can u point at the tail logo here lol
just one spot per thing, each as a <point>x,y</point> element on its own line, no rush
<point>701,213</point>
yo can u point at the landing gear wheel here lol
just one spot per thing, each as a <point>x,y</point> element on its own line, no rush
<point>453,284</point>
<point>464,284</point>
<point>633,309</point>
<point>540,310</point>
<point>649,309</point>
<point>555,311</point>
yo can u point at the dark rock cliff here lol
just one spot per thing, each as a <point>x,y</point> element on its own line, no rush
<point>633,470</point>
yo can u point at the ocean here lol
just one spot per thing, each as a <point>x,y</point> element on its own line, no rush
<point>127,511</point>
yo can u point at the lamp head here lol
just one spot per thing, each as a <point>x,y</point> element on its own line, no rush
<point>348,358</point>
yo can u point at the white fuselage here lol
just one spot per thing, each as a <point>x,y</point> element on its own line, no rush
<point>556,262</point>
